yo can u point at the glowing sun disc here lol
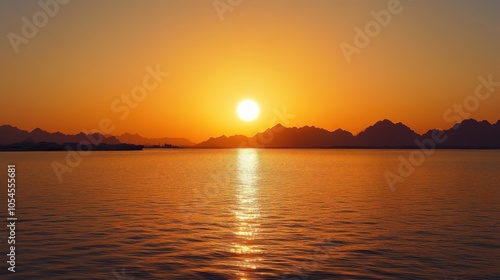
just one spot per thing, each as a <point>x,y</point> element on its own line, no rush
<point>248,110</point>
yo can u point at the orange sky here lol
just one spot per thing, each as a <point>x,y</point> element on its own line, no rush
<point>282,54</point>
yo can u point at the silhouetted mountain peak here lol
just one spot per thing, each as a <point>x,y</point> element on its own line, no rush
<point>10,134</point>
<point>7,127</point>
<point>278,126</point>
<point>470,121</point>
<point>130,134</point>
<point>311,128</point>
<point>384,122</point>
<point>37,130</point>
<point>385,133</point>
<point>471,133</point>
<point>475,122</point>
<point>38,133</point>
<point>223,141</point>
<point>386,126</point>
<point>339,130</point>
<point>472,124</point>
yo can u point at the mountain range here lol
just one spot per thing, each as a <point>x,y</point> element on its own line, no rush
<point>12,135</point>
<point>383,134</point>
<point>469,134</point>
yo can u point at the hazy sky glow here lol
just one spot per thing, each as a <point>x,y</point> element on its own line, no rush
<point>278,53</point>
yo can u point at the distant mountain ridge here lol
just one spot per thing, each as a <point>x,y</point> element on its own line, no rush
<point>12,135</point>
<point>469,134</point>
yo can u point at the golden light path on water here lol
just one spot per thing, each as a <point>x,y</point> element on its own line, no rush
<point>247,212</point>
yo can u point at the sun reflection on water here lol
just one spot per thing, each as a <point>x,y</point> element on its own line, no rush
<point>247,213</point>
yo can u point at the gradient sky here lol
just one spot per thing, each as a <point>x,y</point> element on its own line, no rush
<point>282,54</point>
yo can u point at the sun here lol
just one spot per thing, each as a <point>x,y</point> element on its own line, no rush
<point>248,110</point>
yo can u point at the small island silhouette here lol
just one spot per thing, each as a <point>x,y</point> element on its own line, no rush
<point>385,134</point>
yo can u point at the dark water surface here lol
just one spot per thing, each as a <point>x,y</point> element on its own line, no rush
<point>255,214</point>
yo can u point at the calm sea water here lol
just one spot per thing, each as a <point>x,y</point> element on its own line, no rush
<point>255,214</point>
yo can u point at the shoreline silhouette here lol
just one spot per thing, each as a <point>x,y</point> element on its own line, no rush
<point>385,134</point>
